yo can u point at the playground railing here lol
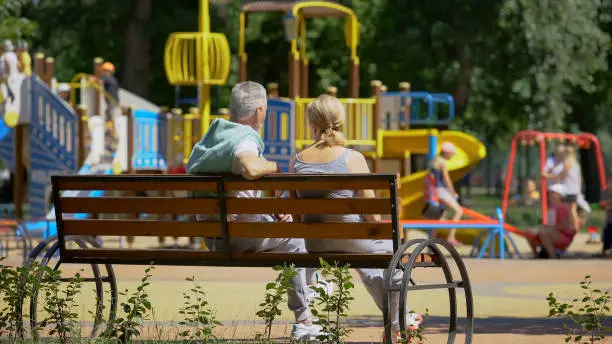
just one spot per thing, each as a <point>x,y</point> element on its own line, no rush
<point>493,238</point>
<point>424,109</point>
<point>53,145</point>
<point>359,127</point>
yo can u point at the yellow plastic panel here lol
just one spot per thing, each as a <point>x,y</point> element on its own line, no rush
<point>359,113</point>
<point>191,59</point>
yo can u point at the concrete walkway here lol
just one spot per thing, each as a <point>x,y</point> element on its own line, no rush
<point>509,297</point>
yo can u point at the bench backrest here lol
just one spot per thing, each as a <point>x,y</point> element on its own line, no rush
<point>116,212</point>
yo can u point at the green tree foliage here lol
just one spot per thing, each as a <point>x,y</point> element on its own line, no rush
<point>563,46</point>
<point>12,24</point>
<point>511,64</point>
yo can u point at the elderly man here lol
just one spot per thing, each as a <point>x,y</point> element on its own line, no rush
<point>235,146</point>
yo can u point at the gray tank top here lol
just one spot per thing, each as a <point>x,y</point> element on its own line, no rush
<point>438,176</point>
<point>337,166</point>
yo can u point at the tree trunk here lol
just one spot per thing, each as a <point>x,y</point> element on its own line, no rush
<point>137,62</point>
<point>464,84</point>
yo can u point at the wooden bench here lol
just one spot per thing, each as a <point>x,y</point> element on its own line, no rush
<point>416,253</point>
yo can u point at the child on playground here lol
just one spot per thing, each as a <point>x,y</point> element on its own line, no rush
<point>529,197</point>
<point>606,203</point>
<point>559,232</point>
<point>571,178</point>
<point>443,186</point>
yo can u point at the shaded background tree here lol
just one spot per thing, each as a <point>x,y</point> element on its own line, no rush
<point>511,64</point>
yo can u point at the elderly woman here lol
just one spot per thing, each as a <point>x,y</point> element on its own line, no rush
<point>329,155</point>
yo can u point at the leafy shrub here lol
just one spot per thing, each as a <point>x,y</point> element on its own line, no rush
<point>585,314</point>
<point>196,312</point>
<point>276,293</point>
<point>135,309</point>
<point>16,285</point>
<point>59,305</point>
<point>330,309</point>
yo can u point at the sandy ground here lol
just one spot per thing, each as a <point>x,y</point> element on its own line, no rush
<point>509,297</point>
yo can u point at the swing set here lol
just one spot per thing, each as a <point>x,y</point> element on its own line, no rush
<point>591,163</point>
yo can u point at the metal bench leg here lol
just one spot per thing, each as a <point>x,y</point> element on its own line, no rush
<point>439,248</point>
<point>47,250</point>
<point>394,265</point>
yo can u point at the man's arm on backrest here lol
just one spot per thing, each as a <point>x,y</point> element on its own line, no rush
<point>253,167</point>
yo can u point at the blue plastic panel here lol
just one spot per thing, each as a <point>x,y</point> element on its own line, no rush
<point>279,132</point>
<point>149,140</point>
<point>425,108</point>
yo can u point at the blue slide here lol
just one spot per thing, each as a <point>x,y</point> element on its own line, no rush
<point>4,129</point>
<point>6,142</point>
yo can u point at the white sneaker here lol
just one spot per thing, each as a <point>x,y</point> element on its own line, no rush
<point>303,332</point>
<point>414,320</point>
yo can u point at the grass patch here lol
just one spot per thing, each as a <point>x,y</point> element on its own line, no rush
<point>525,217</point>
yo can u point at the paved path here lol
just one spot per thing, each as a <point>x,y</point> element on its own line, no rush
<point>510,305</point>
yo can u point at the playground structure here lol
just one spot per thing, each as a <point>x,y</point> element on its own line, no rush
<point>295,15</point>
<point>377,125</point>
<point>198,59</point>
<point>587,143</point>
<point>49,137</point>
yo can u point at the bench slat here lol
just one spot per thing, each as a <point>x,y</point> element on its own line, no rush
<point>308,206</point>
<point>312,259</point>
<point>135,185</point>
<point>199,258</point>
<point>310,185</point>
<point>141,228</point>
<point>145,205</point>
<point>342,230</point>
<point>127,256</point>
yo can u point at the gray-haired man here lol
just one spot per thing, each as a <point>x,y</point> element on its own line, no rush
<point>235,146</point>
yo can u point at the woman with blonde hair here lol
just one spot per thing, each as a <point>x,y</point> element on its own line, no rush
<point>571,178</point>
<point>328,154</point>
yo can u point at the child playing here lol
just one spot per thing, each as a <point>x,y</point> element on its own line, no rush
<point>559,231</point>
<point>529,197</point>
<point>571,178</point>
<point>605,202</point>
<point>443,186</point>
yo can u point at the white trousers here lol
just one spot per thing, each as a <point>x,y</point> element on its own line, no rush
<point>373,279</point>
<point>296,297</point>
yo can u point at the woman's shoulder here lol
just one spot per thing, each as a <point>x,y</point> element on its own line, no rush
<point>352,154</point>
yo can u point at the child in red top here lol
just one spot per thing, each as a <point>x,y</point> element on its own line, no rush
<point>558,232</point>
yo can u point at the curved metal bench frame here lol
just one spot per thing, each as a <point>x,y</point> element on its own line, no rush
<point>407,259</point>
<point>48,249</point>
<point>21,236</point>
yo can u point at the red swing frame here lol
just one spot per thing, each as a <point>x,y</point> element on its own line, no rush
<point>531,137</point>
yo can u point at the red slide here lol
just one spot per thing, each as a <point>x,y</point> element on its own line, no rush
<point>509,228</point>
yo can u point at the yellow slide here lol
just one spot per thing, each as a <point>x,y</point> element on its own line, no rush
<point>395,144</point>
